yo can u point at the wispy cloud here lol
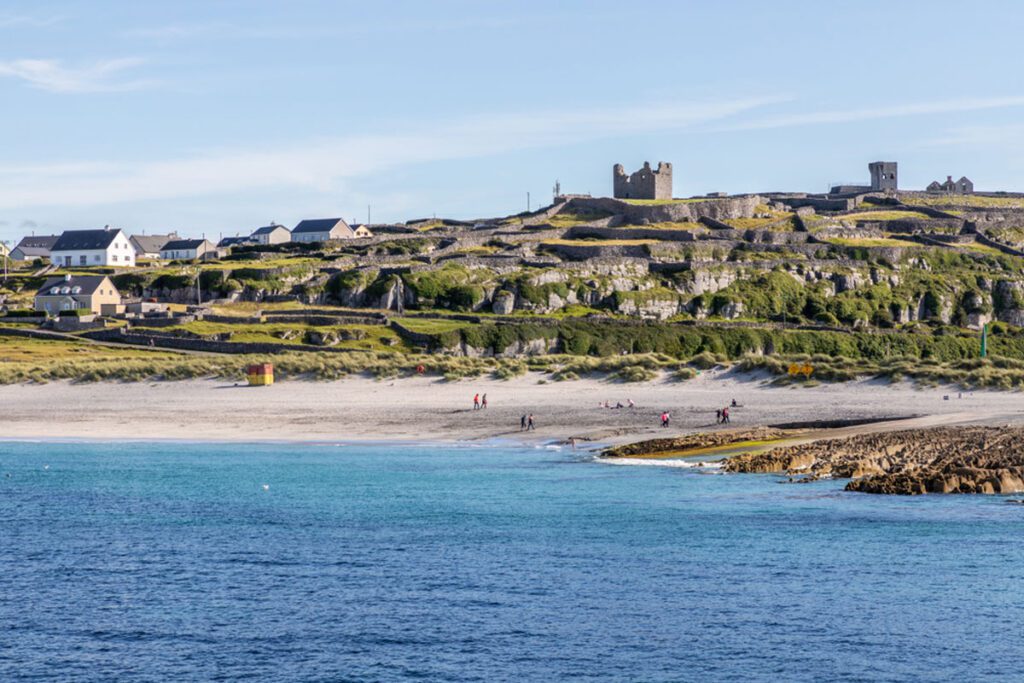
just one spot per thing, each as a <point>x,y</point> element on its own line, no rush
<point>53,76</point>
<point>24,20</point>
<point>321,165</point>
<point>882,112</point>
<point>1001,135</point>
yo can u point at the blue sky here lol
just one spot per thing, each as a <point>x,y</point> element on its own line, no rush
<point>217,117</point>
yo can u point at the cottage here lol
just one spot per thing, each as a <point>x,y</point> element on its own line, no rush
<point>149,246</point>
<point>34,247</point>
<point>228,242</point>
<point>271,234</point>
<point>187,250</point>
<point>324,229</point>
<point>73,292</point>
<point>106,247</point>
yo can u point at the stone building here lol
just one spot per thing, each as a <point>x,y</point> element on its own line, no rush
<point>644,184</point>
<point>962,186</point>
<point>883,175</point>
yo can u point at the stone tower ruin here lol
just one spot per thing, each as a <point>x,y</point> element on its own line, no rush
<point>883,175</point>
<point>644,184</point>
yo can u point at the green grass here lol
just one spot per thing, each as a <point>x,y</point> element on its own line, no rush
<point>883,216</point>
<point>968,201</point>
<point>597,242</point>
<point>873,242</point>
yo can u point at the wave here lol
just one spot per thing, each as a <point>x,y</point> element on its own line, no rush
<point>685,464</point>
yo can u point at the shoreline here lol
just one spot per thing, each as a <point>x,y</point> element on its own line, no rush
<point>432,411</point>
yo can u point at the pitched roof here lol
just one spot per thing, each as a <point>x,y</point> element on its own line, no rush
<point>73,240</point>
<point>88,284</point>
<point>38,242</point>
<point>182,245</point>
<point>267,229</point>
<point>232,241</point>
<point>320,225</point>
<point>150,244</point>
<point>31,252</point>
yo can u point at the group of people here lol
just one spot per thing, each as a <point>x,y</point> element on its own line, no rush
<point>526,423</point>
<point>479,402</point>
<point>618,405</point>
<point>723,414</point>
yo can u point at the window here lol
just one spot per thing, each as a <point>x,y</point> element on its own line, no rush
<point>96,258</point>
<point>82,260</point>
<point>112,258</point>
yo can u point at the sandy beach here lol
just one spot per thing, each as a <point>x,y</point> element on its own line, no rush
<point>428,409</point>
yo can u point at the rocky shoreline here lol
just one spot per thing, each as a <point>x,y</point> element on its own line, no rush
<point>936,460</point>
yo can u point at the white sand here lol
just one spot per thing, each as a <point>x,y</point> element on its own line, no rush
<point>430,409</point>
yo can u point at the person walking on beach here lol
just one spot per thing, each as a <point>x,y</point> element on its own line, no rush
<point>476,402</point>
<point>483,401</point>
<point>725,415</point>
<point>522,422</point>
<point>718,416</point>
<point>529,423</point>
<point>664,419</point>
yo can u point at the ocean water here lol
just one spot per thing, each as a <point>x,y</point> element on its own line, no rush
<point>214,562</point>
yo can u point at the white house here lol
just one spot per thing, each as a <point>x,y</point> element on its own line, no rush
<point>272,234</point>
<point>149,246</point>
<point>187,250</point>
<point>323,229</point>
<point>34,247</point>
<point>106,247</point>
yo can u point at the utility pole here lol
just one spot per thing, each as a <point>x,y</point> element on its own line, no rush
<point>3,244</point>
<point>527,202</point>
<point>367,214</point>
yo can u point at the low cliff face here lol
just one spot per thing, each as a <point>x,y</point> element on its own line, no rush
<point>939,460</point>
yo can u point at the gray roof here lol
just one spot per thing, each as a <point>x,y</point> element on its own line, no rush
<point>150,244</point>
<point>319,225</point>
<point>182,245</point>
<point>232,241</point>
<point>88,283</point>
<point>73,240</point>
<point>38,242</point>
<point>31,252</point>
<point>267,229</point>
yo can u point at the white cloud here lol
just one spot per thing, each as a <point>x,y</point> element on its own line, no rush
<point>21,20</point>
<point>1003,136</point>
<point>883,112</point>
<point>52,76</point>
<point>321,165</point>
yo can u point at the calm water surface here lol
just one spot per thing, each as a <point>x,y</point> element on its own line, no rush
<point>171,562</point>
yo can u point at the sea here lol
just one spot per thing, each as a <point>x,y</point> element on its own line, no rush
<point>344,562</point>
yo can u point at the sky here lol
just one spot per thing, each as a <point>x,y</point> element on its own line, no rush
<point>216,117</point>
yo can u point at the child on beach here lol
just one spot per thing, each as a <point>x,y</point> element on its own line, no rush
<point>483,402</point>
<point>664,419</point>
<point>725,415</point>
<point>529,423</point>
<point>476,402</point>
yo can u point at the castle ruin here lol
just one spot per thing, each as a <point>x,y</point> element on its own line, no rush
<point>883,175</point>
<point>644,184</point>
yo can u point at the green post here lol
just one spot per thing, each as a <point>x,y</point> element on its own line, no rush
<point>984,340</point>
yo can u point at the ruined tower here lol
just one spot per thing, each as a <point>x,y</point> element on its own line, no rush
<point>883,175</point>
<point>644,184</point>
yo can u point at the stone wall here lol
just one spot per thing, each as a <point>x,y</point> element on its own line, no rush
<point>674,212</point>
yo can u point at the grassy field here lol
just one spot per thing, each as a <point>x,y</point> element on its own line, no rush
<point>873,242</point>
<point>883,216</point>
<point>22,350</point>
<point>968,201</point>
<point>594,242</point>
<point>361,337</point>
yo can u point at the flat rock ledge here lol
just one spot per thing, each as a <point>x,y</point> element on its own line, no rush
<point>660,447</point>
<point>937,460</point>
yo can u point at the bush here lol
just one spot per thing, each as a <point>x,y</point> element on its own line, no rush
<point>75,313</point>
<point>23,313</point>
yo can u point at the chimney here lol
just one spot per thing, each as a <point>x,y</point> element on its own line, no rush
<point>949,179</point>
